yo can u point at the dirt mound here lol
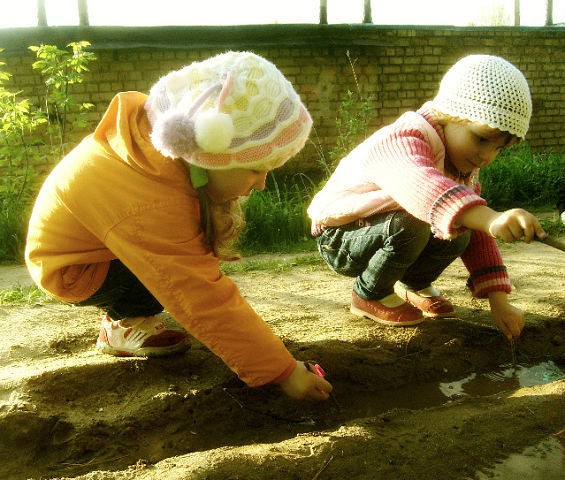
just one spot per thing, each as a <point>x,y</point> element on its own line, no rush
<point>405,405</point>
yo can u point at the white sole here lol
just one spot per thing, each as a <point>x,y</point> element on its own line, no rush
<point>142,351</point>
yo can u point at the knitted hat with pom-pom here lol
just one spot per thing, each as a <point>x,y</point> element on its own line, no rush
<point>489,90</point>
<point>234,110</point>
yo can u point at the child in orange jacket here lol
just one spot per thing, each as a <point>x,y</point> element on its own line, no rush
<point>136,218</point>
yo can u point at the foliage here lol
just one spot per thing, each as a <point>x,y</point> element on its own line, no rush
<point>17,120</point>
<point>554,227</point>
<point>518,177</point>
<point>276,218</point>
<point>23,295</point>
<point>352,122</point>
<point>277,264</point>
<point>13,225</point>
<point>23,144</point>
<point>60,69</point>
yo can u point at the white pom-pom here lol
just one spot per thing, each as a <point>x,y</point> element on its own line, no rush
<point>213,131</point>
<point>173,134</point>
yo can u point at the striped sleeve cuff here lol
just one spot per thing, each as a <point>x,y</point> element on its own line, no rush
<point>448,206</point>
<point>490,279</point>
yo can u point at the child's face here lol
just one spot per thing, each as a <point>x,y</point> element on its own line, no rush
<point>226,185</point>
<point>472,145</point>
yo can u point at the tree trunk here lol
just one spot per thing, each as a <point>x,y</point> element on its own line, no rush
<point>323,12</point>
<point>367,17</point>
<point>83,13</point>
<point>549,12</point>
<point>516,12</point>
<point>41,14</point>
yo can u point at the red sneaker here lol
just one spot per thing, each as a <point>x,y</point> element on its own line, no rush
<point>400,316</point>
<point>142,337</point>
<point>433,306</point>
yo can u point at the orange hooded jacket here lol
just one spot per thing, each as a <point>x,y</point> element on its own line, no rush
<point>115,196</point>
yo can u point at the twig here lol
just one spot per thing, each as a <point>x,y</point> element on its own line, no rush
<point>324,466</point>
<point>513,346</point>
<point>553,242</point>
<point>92,461</point>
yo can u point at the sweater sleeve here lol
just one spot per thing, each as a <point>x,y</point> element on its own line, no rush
<point>402,164</point>
<point>177,267</point>
<point>483,260</point>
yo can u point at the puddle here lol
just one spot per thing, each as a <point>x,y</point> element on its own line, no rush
<point>543,461</point>
<point>507,377</point>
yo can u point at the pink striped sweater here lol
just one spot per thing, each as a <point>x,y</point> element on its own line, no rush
<point>401,166</point>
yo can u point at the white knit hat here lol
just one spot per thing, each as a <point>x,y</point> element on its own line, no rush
<point>488,90</point>
<point>234,110</point>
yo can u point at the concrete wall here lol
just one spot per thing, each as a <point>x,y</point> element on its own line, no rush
<point>400,65</point>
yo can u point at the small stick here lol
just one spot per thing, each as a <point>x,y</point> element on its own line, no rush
<point>324,466</point>
<point>319,371</point>
<point>513,352</point>
<point>552,242</point>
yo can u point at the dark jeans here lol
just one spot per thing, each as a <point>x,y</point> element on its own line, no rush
<point>123,295</point>
<point>394,246</point>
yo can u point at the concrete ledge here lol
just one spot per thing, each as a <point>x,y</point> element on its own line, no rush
<point>230,36</point>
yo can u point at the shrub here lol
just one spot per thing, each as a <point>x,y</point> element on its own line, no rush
<point>23,145</point>
<point>276,218</point>
<point>518,177</point>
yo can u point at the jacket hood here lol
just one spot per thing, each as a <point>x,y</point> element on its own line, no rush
<point>124,132</point>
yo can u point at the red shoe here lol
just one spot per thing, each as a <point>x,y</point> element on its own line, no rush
<point>400,316</point>
<point>144,337</point>
<point>433,306</point>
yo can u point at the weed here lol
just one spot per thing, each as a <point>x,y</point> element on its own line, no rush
<point>276,218</point>
<point>519,177</point>
<point>23,143</point>
<point>23,295</point>
<point>352,122</point>
<point>554,227</point>
<point>60,69</point>
<point>274,265</point>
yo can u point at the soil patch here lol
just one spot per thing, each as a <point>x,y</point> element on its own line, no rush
<point>403,408</point>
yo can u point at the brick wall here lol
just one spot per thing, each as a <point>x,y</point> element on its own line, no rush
<point>400,66</point>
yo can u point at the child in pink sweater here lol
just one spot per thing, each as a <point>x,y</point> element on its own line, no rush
<point>405,203</point>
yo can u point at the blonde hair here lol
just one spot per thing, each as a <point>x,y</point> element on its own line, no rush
<point>222,224</point>
<point>444,118</point>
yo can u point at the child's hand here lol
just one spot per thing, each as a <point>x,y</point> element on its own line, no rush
<point>509,319</point>
<point>516,224</point>
<point>304,385</point>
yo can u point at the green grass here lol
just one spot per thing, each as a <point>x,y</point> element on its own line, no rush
<point>554,227</point>
<point>276,218</point>
<point>521,178</point>
<point>276,265</point>
<point>23,295</point>
<point>13,228</point>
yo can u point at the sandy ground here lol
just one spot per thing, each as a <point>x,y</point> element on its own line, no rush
<point>441,400</point>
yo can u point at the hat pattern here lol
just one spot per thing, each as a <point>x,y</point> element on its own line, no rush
<point>489,90</point>
<point>234,110</point>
